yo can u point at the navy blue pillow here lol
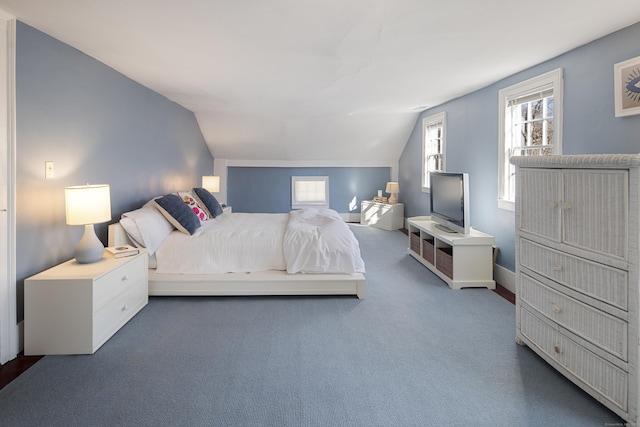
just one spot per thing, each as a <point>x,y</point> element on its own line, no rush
<point>178,213</point>
<point>209,201</point>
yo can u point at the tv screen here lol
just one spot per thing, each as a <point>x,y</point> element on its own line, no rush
<point>450,201</point>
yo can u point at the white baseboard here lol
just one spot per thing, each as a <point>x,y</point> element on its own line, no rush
<point>350,217</point>
<point>505,277</point>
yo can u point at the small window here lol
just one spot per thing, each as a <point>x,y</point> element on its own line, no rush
<point>309,191</point>
<point>433,143</point>
<point>530,120</point>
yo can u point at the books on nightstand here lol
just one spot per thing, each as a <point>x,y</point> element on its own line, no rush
<point>123,251</point>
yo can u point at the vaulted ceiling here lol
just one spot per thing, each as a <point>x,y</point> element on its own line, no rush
<point>333,80</point>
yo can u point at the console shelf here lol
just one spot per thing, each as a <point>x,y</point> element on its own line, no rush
<point>462,261</point>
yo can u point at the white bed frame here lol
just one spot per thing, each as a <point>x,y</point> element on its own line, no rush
<point>270,282</point>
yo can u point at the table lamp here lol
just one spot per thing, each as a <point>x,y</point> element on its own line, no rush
<point>211,183</point>
<point>393,189</point>
<point>87,205</point>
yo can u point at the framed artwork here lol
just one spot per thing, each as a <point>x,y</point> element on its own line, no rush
<point>627,87</point>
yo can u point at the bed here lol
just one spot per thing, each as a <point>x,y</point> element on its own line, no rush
<point>236,254</point>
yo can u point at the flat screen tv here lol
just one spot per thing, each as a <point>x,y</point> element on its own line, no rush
<point>450,201</point>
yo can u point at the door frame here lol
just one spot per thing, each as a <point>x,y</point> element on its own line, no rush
<point>9,331</point>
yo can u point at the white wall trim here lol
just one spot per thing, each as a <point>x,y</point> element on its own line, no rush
<point>505,277</point>
<point>318,164</point>
<point>9,330</point>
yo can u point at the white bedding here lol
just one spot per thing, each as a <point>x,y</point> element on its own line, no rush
<point>234,243</point>
<point>319,241</point>
<point>299,242</point>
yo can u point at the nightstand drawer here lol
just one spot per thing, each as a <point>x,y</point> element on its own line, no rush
<point>116,313</point>
<point>605,283</point>
<point>117,281</point>
<point>605,331</point>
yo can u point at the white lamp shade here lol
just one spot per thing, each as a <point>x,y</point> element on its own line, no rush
<point>87,204</point>
<point>211,183</point>
<point>393,187</point>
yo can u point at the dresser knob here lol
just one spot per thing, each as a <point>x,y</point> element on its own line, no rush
<point>557,266</point>
<point>565,205</point>
<point>556,308</point>
<point>558,349</point>
<point>125,277</point>
<point>552,204</point>
<point>125,307</point>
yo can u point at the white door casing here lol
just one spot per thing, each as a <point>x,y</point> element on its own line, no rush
<point>9,337</point>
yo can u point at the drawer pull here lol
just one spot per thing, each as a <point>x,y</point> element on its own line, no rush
<point>552,204</point>
<point>557,266</point>
<point>556,308</point>
<point>565,205</point>
<point>125,278</point>
<point>557,349</point>
<point>125,307</point>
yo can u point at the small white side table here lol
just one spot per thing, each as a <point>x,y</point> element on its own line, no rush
<point>75,308</point>
<point>382,215</point>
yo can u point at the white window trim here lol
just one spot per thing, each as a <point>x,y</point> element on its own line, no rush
<point>552,79</point>
<point>295,204</point>
<point>426,122</point>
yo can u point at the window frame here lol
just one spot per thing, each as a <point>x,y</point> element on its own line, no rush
<point>551,80</point>
<point>435,119</point>
<point>296,204</point>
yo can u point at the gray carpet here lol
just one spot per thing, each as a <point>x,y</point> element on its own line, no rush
<point>414,353</point>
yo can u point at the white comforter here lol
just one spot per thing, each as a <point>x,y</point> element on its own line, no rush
<point>319,241</point>
<point>305,241</point>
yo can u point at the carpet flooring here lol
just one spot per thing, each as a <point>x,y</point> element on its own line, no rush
<point>413,353</point>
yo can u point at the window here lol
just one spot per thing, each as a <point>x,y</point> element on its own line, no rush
<point>433,141</point>
<point>530,123</point>
<point>309,191</point>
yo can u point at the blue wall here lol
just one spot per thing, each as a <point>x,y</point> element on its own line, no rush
<point>589,127</point>
<point>268,189</point>
<point>98,126</point>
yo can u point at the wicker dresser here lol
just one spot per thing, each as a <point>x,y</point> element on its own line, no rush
<point>577,302</point>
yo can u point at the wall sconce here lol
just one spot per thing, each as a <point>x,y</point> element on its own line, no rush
<point>393,189</point>
<point>211,183</point>
<point>87,205</point>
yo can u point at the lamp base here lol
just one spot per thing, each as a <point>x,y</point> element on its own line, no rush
<point>90,248</point>
<point>393,198</point>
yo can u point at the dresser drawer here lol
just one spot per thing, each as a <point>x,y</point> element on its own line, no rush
<point>602,329</point>
<point>607,284</point>
<point>604,378</point>
<point>118,311</point>
<point>116,281</point>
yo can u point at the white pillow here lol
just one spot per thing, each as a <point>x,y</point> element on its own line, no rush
<point>146,227</point>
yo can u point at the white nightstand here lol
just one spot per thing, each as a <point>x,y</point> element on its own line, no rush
<point>74,308</point>
<point>382,215</point>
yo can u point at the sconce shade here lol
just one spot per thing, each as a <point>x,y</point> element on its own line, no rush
<point>211,183</point>
<point>87,204</point>
<point>393,187</point>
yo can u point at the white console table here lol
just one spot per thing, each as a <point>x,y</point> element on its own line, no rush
<point>382,215</point>
<point>462,261</point>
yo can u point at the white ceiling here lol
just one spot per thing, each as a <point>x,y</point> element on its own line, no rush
<point>333,80</point>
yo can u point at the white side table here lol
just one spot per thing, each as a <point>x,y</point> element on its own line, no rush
<point>75,308</point>
<point>382,215</point>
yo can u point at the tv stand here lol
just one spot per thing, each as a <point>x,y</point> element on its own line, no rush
<point>462,261</point>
